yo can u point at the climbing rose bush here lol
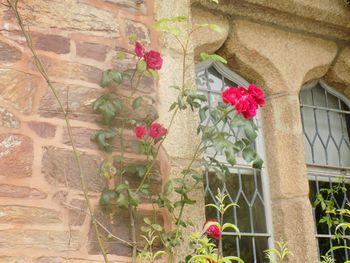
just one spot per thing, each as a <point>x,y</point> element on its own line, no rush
<point>245,101</point>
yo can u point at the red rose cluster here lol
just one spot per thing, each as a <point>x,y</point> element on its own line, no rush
<point>211,229</point>
<point>155,131</point>
<point>153,58</point>
<point>245,101</point>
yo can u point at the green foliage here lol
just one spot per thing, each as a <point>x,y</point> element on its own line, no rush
<point>108,106</point>
<point>104,138</point>
<point>213,57</point>
<point>169,25</point>
<point>112,76</point>
<point>279,254</point>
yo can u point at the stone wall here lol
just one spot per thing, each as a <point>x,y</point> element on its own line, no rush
<point>43,216</point>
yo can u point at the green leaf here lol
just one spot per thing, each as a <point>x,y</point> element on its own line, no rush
<point>147,221</point>
<point>121,55</point>
<point>249,131</point>
<point>117,76</point>
<point>249,154</point>
<point>121,187</point>
<point>122,201</point>
<point>141,66</point>
<point>108,106</point>
<point>105,80</point>
<point>134,198</point>
<point>232,226</point>
<point>257,163</point>
<point>230,156</point>
<point>104,139</point>
<point>136,103</point>
<point>107,197</point>
<point>168,188</point>
<point>157,227</point>
<point>213,57</point>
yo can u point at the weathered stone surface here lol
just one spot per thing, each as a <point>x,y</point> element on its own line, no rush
<point>39,239</point>
<point>83,139</point>
<point>259,54</point>
<point>52,43</point>
<point>138,29</point>
<point>333,12</point>
<point>59,166</point>
<point>205,39</point>
<point>130,5</point>
<point>28,215</point>
<point>9,53</point>
<point>338,75</point>
<point>17,88</point>
<point>92,50</point>
<point>69,260</point>
<point>80,100</point>
<point>15,191</point>
<point>16,155</point>
<point>43,129</point>
<point>118,221</point>
<point>6,259</point>
<point>70,70</point>
<point>293,222</point>
<point>60,197</point>
<point>69,15</point>
<point>8,119</point>
<point>76,217</point>
<point>316,17</point>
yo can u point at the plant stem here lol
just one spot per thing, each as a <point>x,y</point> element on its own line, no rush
<point>133,233</point>
<point>42,71</point>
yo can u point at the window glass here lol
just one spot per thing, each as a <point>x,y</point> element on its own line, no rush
<point>244,186</point>
<point>325,118</point>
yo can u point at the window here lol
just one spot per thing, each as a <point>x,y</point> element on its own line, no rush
<point>326,124</point>
<point>246,186</point>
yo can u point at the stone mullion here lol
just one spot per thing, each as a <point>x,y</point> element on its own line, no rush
<point>292,217</point>
<point>182,141</point>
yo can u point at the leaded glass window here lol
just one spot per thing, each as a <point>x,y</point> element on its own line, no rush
<point>246,186</point>
<point>325,117</point>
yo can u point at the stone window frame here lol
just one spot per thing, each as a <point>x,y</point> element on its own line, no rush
<point>323,173</point>
<point>259,144</point>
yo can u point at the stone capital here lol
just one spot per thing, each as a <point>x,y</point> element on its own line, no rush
<point>277,60</point>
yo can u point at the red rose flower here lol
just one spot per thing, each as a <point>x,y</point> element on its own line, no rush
<point>231,95</point>
<point>212,230</point>
<point>154,60</point>
<point>139,49</point>
<point>245,101</point>
<point>247,106</point>
<point>156,131</point>
<point>140,131</point>
<point>257,93</point>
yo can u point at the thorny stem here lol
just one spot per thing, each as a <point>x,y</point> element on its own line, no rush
<point>133,232</point>
<point>69,206</point>
<point>184,48</point>
<point>43,72</point>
